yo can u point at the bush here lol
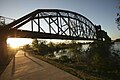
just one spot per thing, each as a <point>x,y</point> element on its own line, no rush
<point>99,54</point>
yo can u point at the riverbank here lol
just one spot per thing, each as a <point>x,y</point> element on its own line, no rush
<point>97,62</point>
<point>84,75</point>
<point>82,71</point>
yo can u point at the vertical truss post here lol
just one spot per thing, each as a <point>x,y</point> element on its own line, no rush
<point>58,23</point>
<point>60,26</point>
<point>32,25</point>
<point>69,25</point>
<point>49,26</point>
<point>38,23</point>
<point>76,28</point>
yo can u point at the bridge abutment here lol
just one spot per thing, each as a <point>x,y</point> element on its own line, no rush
<point>3,48</point>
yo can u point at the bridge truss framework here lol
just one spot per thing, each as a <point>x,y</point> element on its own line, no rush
<point>60,24</point>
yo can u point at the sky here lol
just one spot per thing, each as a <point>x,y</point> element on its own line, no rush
<point>100,12</point>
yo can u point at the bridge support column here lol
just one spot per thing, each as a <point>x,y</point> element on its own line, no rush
<point>3,49</point>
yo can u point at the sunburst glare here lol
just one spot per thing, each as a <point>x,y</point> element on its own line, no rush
<point>17,42</point>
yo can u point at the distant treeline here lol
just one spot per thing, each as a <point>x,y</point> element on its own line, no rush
<point>117,40</point>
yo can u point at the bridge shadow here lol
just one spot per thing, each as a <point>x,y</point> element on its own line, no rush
<point>32,59</point>
<point>13,64</point>
<point>13,68</point>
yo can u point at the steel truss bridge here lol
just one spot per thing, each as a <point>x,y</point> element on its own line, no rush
<point>51,24</point>
<point>60,24</point>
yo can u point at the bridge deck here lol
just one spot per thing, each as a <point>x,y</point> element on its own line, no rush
<point>29,34</point>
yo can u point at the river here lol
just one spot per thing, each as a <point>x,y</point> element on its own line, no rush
<point>69,52</point>
<point>116,45</point>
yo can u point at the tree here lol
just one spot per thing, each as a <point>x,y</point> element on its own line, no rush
<point>99,54</point>
<point>43,47</point>
<point>27,48</point>
<point>35,45</point>
<point>51,46</point>
<point>118,19</point>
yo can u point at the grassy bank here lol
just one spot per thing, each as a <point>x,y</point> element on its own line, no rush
<point>72,69</point>
<point>100,61</point>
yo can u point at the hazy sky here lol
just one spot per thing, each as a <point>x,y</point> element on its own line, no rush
<point>100,12</point>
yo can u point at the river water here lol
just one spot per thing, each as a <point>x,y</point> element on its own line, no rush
<point>69,52</point>
<point>116,46</point>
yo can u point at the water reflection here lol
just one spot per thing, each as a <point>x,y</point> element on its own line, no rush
<point>85,47</point>
<point>70,52</point>
<point>116,45</point>
<point>65,52</point>
<point>115,49</point>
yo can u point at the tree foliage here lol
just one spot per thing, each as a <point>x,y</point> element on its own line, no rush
<point>42,47</point>
<point>118,19</point>
<point>99,56</point>
<point>35,45</point>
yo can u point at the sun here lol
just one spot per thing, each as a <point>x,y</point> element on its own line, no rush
<point>14,45</point>
<point>17,42</point>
